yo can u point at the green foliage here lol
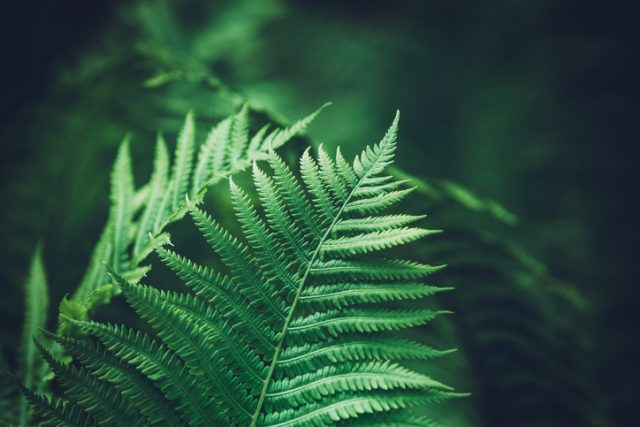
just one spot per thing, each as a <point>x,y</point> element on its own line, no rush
<point>138,217</point>
<point>508,305</point>
<point>515,323</point>
<point>35,318</point>
<point>294,333</point>
<point>14,406</point>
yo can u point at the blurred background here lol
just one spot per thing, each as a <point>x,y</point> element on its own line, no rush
<point>518,117</point>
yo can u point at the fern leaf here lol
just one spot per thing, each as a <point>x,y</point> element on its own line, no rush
<point>220,292</point>
<point>382,269</point>
<point>57,412</point>
<point>278,138</point>
<point>211,155</point>
<point>133,385</point>
<point>295,334</point>
<point>277,214</point>
<point>311,356</point>
<point>234,254</point>
<point>345,170</point>
<point>98,398</point>
<point>160,365</point>
<point>264,243</point>
<point>292,192</point>
<point>350,406</point>
<point>340,295</point>
<point>334,379</point>
<point>125,243</point>
<point>157,189</point>
<point>331,179</point>
<point>323,200</point>
<point>378,202</point>
<point>239,135</point>
<point>333,323</point>
<point>177,330</point>
<point>183,162</point>
<point>373,241</point>
<point>122,193</point>
<point>375,223</point>
<point>35,317</point>
<point>256,141</point>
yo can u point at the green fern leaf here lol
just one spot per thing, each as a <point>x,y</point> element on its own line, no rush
<point>295,334</point>
<point>122,193</point>
<point>57,412</point>
<point>35,317</point>
<point>97,397</point>
<point>127,240</point>
<point>239,135</point>
<point>161,366</point>
<point>212,154</point>
<point>157,186</point>
<point>312,356</point>
<point>183,164</point>
<point>279,137</point>
<point>133,385</point>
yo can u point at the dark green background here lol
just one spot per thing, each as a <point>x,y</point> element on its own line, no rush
<point>531,103</point>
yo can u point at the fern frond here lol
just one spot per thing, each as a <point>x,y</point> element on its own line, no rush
<point>158,188</point>
<point>183,162</point>
<point>212,154</point>
<point>244,269</point>
<point>334,379</point>
<point>35,317</point>
<point>341,295</point>
<point>334,323</point>
<point>97,397</point>
<point>126,241</point>
<point>279,137</point>
<point>396,420</point>
<point>381,269</point>
<point>375,223</point>
<point>133,385</point>
<point>373,241</point>
<point>293,194</point>
<point>296,333</point>
<point>220,292</point>
<point>278,215</point>
<point>239,135</point>
<point>265,245</point>
<point>349,406</point>
<point>182,333</point>
<point>322,199</point>
<point>311,356</point>
<point>160,365</point>
<point>57,412</point>
<point>122,193</point>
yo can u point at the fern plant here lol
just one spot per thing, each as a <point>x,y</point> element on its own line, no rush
<point>138,217</point>
<point>298,332</point>
<point>14,407</point>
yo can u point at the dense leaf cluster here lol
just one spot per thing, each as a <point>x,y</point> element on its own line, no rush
<point>294,333</point>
